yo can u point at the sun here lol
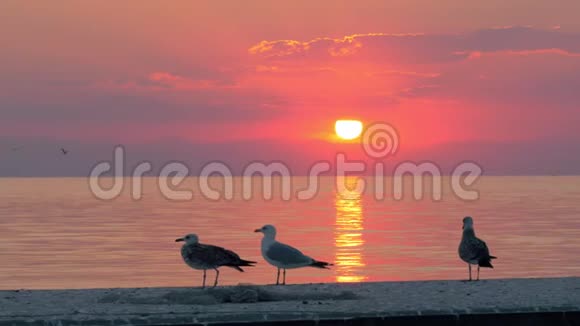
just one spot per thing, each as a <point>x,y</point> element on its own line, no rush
<point>348,129</point>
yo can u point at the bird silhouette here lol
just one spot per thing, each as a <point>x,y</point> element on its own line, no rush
<point>283,256</point>
<point>473,250</point>
<point>64,151</point>
<point>204,256</point>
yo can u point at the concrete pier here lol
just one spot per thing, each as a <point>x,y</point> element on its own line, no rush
<point>487,302</point>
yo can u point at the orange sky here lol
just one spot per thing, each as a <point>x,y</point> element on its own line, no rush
<point>154,74</point>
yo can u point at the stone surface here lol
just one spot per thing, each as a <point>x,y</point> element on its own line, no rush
<point>512,301</point>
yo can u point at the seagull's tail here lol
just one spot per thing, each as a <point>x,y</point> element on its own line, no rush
<point>486,262</point>
<point>247,263</point>
<point>242,263</point>
<point>320,264</point>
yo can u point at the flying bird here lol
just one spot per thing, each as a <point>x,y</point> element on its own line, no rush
<point>204,256</point>
<point>284,256</point>
<point>473,250</point>
<point>64,151</point>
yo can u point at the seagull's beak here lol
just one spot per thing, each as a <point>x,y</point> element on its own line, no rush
<point>258,230</point>
<point>179,240</point>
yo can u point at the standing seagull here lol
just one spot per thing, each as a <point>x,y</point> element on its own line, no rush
<point>473,250</point>
<point>283,256</point>
<point>203,256</point>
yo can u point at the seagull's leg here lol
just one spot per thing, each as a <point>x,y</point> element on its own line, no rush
<point>477,273</point>
<point>203,285</point>
<point>284,279</point>
<point>217,275</point>
<point>278,277</point>
<point>469,271</point>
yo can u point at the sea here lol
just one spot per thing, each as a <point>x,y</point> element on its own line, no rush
<point>60,233</point>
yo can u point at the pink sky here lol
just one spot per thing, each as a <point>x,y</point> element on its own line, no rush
<point>492,81</point>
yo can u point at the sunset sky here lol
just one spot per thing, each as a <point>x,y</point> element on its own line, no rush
<point>496,82</point>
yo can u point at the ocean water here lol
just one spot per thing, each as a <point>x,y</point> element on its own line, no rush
<point>54,233</point>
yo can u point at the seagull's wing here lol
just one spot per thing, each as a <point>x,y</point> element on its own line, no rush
<point>221,256</point>
<point>194,253</point>
<point>287,255</point>
<point>477,249</point>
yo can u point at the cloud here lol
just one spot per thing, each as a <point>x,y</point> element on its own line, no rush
<point>560,52</point>
<point>419,48</point>
<point>156,97</point>
<point>406,73</point>
<point>163,81</point>
<point>515,79</point>
<point>510,66</point>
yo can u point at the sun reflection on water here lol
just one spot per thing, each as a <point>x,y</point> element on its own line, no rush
<point>348,238</point>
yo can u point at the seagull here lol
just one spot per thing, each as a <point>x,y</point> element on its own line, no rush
<point>204,257</point>
<point>473,250</point>
<point>64,151</point>
<point>283,256</point>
